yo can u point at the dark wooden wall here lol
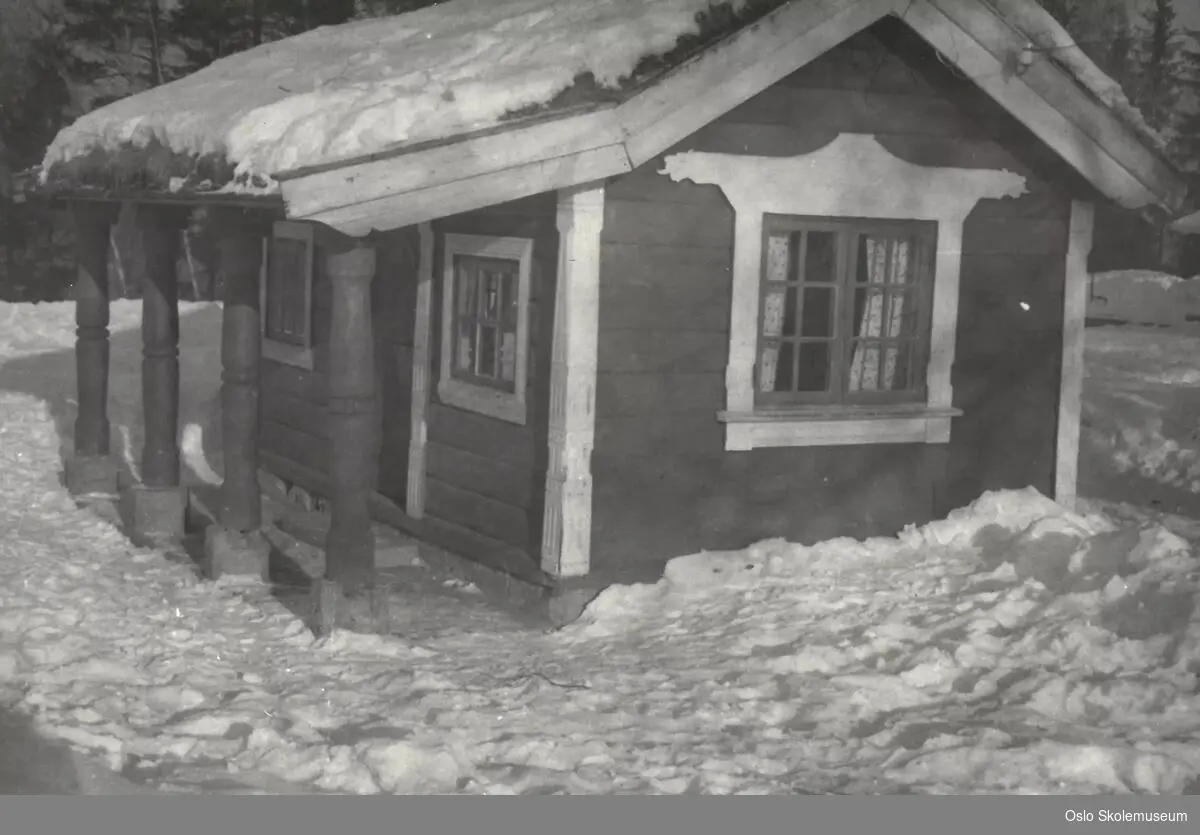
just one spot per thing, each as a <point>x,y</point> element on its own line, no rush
<point>486,477</point>
<point>293,439</point>
<point>664,485</point>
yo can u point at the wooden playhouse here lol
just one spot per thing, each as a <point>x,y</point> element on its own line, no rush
<point>819,270</point>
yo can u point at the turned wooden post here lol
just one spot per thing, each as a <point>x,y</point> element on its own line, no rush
<point>159,503</point>
<point>91,469</point>
<point>160,229</point>
<point>352,420</point>
<point>236,544</point>
<point>241,343</point>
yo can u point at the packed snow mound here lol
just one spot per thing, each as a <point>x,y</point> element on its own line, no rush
<point>1076,625</point>
<point>1163,280</point>
<point>344,91</point>
<point>1012,510</point>
<point>1144,297</point>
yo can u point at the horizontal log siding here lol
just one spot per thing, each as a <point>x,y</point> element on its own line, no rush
<point>664,485</point>
<point>292,405</point>
<point>486,477</point>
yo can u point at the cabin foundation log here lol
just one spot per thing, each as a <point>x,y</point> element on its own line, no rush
<point>91,469</point>
<point>347,597</point>
<point>158,504</point>
<point>236,544</point>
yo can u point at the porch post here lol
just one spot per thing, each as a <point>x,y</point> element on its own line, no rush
<point>236,544</point>
<point>91,470</point>
<point>567,526</point>
<point>347,596</point>
<point>422,334</point>
<point>1070,399</point>
<point>158,502</point>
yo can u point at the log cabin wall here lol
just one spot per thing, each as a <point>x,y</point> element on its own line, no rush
<point>664,485</point>
<point>485,476</point>
<point>294,441</point>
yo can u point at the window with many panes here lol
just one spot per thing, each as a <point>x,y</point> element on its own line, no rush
<point>287,284</point>
<point>485,321</point>
<point>485,316</point>
<point>844,316</point>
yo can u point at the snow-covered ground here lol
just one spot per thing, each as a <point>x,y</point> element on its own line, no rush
<point>1141,416</point>
<point>1013,647</point>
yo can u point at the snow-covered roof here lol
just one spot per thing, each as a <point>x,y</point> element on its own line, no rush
<point>1188,224</point>
<point>341,92</point>
<point>340,95</point>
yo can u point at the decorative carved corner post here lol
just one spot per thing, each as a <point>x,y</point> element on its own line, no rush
<point>567,526</point>
<point>1070,401</point>
<point>91,470</point>
<point>347,596</point>
<point>236,545</point>
<point>158,503</point>
<point>422,333</point>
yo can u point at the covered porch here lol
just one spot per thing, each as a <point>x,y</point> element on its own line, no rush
<point>156,506</point>
<point>231,524</point>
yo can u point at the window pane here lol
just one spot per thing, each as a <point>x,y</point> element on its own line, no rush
<point>485,360</point>
<point>779,250</point>
<point>868,312</point>
<point>508,358</point>
<point>465,345</point>
<point>768,365</point>
<point>871,267</point>
<point>902,315</point>
<point>773,312</point>
<point>789,311</point>
<point>899,360</point>
<point>464,286</point>
<point>785,366</point>
<point>886,260</point>
<point>490,309</point>
<point>508,302</point>
<point>817,315</point>
<point>876,367</point>
<point>813,367</point>
<point>901,264</point>
<point>820,259</point>
<point>286,293</point>
<point>864,367</point>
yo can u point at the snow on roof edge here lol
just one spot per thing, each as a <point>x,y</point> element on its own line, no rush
<point>1044,31</point>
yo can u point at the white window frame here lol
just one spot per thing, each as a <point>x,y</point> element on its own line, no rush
<point>852,177</point>
<point>300,356</point>
<point>462,394</point>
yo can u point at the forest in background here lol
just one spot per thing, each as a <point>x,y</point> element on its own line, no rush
<point>61,58</point>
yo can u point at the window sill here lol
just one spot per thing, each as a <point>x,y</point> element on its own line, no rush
<point>826,426</point>
<point>485,401</point>
<point>287,354</point>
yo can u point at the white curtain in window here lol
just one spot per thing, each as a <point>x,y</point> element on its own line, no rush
<point>778,251</point>
<point>867,373</point>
